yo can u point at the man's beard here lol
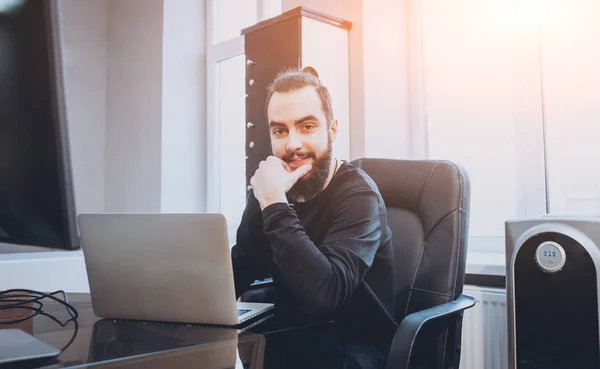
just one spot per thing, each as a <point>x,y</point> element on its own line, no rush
<point>311,184</point>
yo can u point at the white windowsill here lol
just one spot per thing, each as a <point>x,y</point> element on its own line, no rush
<point>488,263</point>
<point>50,271</point>
<point>44,271</point>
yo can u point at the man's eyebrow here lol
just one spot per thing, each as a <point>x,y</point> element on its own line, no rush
<point>296,122</point>
<point>276,124</point>
<point>302,120</point>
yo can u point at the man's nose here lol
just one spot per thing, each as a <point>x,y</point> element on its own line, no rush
<point>293,142</point>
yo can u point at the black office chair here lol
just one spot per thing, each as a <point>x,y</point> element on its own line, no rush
<point>428,211</point>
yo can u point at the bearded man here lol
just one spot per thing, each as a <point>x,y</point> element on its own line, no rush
<point>318,226</point>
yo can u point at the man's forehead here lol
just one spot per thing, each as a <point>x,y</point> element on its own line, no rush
<point>295,105</point>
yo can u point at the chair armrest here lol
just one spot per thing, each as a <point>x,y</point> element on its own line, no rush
<point>406,334</point>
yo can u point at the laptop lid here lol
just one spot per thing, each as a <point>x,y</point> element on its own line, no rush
<point>159,267</point>
<point>19,346</point>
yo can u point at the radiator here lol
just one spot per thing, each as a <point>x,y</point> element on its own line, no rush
<point>484,336</point>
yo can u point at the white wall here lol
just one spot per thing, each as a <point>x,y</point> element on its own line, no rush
<point>183,184</point>
<point>135,86</point>
<point>472,87</point>
<point>386,79</point>
<point>134,108</point>
<point>84,32</point>
<point>155,148</point>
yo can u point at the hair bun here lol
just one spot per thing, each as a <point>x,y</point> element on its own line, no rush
<point>311,70</point>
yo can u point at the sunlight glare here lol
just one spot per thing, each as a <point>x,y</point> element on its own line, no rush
<point>527,14</point>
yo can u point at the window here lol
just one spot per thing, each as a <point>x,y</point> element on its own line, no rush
<point>509,91</point>
<point>571,80</point>
<point>232,139</point>
<point>470,107</point>
<point>226,105</point>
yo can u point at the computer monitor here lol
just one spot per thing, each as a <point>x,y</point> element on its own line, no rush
<point>36,191</point>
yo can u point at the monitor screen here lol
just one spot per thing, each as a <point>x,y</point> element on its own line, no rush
<point>36,195</point>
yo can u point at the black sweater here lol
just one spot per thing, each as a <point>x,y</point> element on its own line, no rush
<point>331,257</point>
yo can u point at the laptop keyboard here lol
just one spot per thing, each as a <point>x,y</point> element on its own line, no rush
<point>242,311</point>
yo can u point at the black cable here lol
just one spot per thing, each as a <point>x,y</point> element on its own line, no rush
<point>18,303</point>
<point>8,295</point>
<point>18,298</point>
<point>28,293</point>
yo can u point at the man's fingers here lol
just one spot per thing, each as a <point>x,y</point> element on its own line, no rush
<point>301,172</point>
<point>286,166</point>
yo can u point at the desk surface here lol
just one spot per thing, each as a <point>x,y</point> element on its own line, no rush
<point>106,343</point>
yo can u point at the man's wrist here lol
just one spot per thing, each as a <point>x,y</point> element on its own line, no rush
<point>270,200</point>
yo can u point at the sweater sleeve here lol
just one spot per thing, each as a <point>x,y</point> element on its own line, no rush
<point>324,278</point>
<point>250,257</point>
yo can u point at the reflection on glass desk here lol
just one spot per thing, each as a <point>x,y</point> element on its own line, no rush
<point>119,344</point>
<point>107,343</point>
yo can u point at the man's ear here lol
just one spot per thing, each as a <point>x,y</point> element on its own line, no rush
<point>333,128</point>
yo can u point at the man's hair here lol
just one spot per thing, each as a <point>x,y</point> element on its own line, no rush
<point>295,79</point>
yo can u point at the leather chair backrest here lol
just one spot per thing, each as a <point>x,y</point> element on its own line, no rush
<point>428,212</point>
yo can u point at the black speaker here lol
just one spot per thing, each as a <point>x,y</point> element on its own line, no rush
<point>552,288</point>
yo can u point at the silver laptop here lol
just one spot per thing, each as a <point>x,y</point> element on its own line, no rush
<point>162,267</point>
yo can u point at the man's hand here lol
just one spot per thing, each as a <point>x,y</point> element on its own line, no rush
<point>273,179</point>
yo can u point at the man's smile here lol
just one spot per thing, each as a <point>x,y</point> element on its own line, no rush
<point>297,162</point>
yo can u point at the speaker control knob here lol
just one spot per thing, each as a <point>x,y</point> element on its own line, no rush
<point>550,257</point>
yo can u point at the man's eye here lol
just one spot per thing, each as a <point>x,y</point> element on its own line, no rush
<point>309,127</point>
<point>278,131</point>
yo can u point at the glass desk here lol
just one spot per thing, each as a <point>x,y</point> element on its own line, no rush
<point>106,343</point>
